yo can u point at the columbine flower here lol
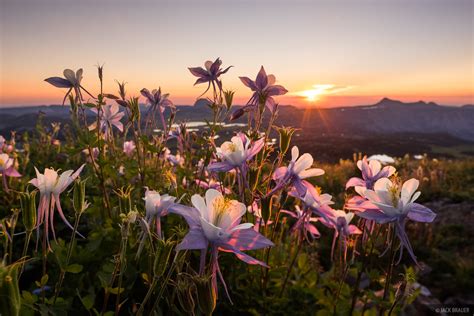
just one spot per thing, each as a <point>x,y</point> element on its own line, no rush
<point>264,89</point>
<point>210,75</point>
<point>213,184</point>
<point>158,102</point>
<point>395,203</point>
<point>51,185</point>
<point>304,222</point>
<point>257,212</point>
<point>110,115</point>
<point>317,202</point>
<point>371,172</point>
<point>339,220</point>
<point>156,206</point>
<point>129,147</point>
<point>72,81</point>
<point>7,169</point>
<point>298,170</point>
<point>215,222</point>
<point>235,153</point>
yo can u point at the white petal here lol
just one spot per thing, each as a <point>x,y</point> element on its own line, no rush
<point>303,163</point>
<point>198,202</point>
<point>408,188</point>
<point>313,172</point>
<point>295,153</point>
<point>375,166</point>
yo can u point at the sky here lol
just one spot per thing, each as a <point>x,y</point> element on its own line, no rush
<point>326,53</point>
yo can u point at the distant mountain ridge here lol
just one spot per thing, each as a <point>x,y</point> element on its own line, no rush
<point>387,116</point>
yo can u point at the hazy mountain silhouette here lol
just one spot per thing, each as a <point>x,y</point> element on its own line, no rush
<point>406,127</point>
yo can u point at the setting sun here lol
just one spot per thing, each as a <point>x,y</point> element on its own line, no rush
<point>318,90</point>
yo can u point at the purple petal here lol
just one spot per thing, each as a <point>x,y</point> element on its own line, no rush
<point>194,239</point>
<point>276,90</point>
<point>248,239</point>
<point>12,172</point>
<point>249,83</point>
<point>262,81</point>
<point>353,182</point>
<point>59,82</point>
<point>243,256</point>
<point>198,71</point>
<point>190,214</point>
<point>256,147</point>
<point>220,166</point>
<point>420,213</point>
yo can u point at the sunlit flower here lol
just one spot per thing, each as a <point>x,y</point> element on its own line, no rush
<point>298,170</point>
<point>371,172</point>
<point>213,184</point>
<point>235,153</point>
<point>110,115</point>
<point>317,202</point>
<point>51,185</point>
<point>339,221</point>
<point>7,169</point>
<point>129,147</point>
<point>71,80</point>
<point>156,206</point>
<point>264,89</point>
<point>304,222</point>
<point>256,211</point>
<point>210,74</point>
<point>158,102</point>
<point>395,203</point>
<point>215,222</point>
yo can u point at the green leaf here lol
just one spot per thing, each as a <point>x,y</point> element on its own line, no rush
<point>88,301</point>
<point>28,297</point>
<point>44,280</point>
<point>74,268</point>
<point>115,290</point>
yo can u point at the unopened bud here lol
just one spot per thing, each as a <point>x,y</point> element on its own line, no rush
<point>79,196</point>
<point>286,133</point>
<point>10,300</point>
<point>28,209</point>
<point>206,294</point>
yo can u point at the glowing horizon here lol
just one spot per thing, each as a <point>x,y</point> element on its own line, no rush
<point>352,54</point>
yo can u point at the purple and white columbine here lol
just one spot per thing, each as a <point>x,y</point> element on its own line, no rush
<point>236,153</point>
<point>395,203</point>
<point>210,74</point>
<point>110,115</point>
<point>214,222</point>
<point>371,172</point>
<point>297,171</point>
<point>7,169</point>
<point>264,89</point>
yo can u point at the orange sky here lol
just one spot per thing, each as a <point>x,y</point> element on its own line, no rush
<point>326,53</point>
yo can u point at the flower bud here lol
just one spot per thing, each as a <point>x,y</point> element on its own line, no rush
<point>237,113</point>
<point>206,294</point>
<point>10,300</point>
<point>28,209</point>
<point>286,133</point>
<point>266,208</point>
<point>79,196</point>
<point>228,96</point>
<point>185,296</point>
<point>162,257</point>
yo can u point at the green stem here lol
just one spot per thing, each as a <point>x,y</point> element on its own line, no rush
<point>290,267</point>
<point>62,274</point>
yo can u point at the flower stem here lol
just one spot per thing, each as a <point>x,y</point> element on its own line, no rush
<point>68,258</point>
<point>290,267</point>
